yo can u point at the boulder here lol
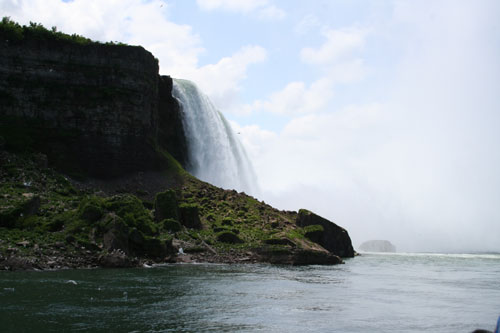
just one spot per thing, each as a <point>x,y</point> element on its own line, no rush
<point>333,238</point>
<point>155,248</point>
<point>190,216</point>
<point>28,205</point>
<point>166,206</point>
<point>117,238</point>
<point>229,237</point>
<point>171,225</point>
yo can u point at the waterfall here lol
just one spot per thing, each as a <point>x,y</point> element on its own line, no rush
<point>215,154</point>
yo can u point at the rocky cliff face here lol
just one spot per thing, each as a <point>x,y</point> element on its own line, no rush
<point>104,108</point>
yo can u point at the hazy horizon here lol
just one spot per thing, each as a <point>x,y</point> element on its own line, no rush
<point>382,116</point>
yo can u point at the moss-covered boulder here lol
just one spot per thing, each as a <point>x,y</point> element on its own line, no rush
<point>157,248</point>
<point>314,232</point>
<point>91,209</point>
<point>190,215</point>
<point>171,225</point>
<point>27,205</point>
<point>166,206</point>
<point>132,211</point>
<point>333,238</point>
<point>229,237</point>
<point>117,237</point>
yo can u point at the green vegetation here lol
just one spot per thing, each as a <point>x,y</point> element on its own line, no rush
<point>42,210</point>
<point>14,32</point>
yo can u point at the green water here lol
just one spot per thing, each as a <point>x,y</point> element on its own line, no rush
<point>371,293</point>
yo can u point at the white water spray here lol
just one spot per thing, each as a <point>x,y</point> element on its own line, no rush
<point>215,154</point>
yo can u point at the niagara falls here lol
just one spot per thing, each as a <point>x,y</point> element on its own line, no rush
<point>249,166</point>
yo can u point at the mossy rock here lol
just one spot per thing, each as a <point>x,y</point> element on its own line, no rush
<point>166,206</point>
<point>314,232</point>
<point>21,209</point>
<point>190,216</point>
<point>195,249</point>
<point>133,213</point>
<point>136,237</point>
<point>126,204</point>
<point>9,216</point>
<point>171,225</point>
<point>91,209</point>
<point>28,222</point>
<point>229,237</point>
<point>154,247</point>
<point>217,229</point>
<point>279,241</point>
<point>227,221</point>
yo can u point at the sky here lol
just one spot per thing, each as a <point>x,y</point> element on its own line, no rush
<point>380,115</point>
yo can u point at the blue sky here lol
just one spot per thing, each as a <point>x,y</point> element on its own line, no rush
<point>380,115</point>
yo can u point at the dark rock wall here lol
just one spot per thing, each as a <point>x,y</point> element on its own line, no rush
<point>171,135</point>
<point>101,107</point>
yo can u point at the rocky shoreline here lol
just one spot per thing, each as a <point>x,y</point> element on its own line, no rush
<point>85,259</point>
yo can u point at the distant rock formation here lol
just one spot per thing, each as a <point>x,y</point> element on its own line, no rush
<point>377,246</point>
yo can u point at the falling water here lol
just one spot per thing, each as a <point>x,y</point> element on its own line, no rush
<point>215,154</point>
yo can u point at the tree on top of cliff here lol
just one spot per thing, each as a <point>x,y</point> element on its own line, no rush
<point>13,31</point>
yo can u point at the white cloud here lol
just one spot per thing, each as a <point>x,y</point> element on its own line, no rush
<point>271,12</point>
<point>338,63</point>
<point>221,81</point>
<point>308,23</point>
<point>339,44</point>
<point>263,8</point>
<point>296,98</point>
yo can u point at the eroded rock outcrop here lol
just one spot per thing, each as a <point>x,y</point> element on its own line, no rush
<point>330,236</point>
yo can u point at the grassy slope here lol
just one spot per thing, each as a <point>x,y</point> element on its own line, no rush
<point>51,221</point>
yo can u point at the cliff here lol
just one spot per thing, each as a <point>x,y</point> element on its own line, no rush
<point>91,153</point>
<point>94,109</point>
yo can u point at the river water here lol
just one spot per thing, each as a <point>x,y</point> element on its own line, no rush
<point>370,293</point>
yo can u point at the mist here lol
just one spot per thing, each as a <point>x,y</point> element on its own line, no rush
<point>418,166</point>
